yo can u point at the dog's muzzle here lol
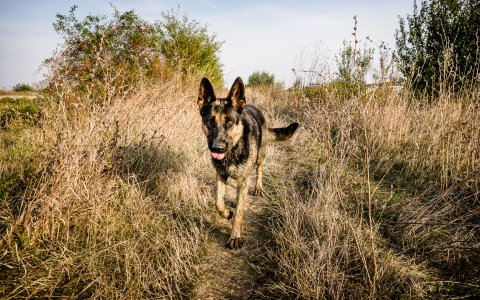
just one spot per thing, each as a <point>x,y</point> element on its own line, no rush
<point>218,150</point>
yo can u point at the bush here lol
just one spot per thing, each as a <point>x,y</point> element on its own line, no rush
<point>107,57</point>
<point>353,64</point>
<point>438,44</point>
<point>22,87</point>
<point>263,78</point>
<point>101,58</point>
<point>186,45</point>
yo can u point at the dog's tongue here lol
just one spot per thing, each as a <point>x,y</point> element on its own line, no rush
<point>218,156</point>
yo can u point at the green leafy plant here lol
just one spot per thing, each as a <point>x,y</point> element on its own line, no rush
<point>258,79</point>
<point>438,44</point>
<point>103,58</point>
<point>187,47</point>
<point>353,63</point>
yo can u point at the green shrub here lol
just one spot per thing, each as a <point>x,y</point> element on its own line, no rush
<point>18,111</point>
<point>353,64</point>
<point>438,44</point>
<point>188,47</point>
<point>263,78</point>
<point>103,58</point>
<point>22,87</point>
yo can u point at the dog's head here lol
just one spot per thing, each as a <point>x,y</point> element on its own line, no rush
<point>221,117</point>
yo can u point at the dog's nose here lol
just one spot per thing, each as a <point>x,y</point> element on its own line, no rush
<point>219,147</point>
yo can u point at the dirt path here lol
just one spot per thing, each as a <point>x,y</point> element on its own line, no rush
<point>233,274</point>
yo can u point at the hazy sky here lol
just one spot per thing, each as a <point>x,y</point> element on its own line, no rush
<point>258,35</point>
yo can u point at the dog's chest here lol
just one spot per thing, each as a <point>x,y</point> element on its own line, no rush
<point>240,163</point>
<point>234,171</point>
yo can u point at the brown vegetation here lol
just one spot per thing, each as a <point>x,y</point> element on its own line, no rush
<point>380,198</point>
<point>376,197</point>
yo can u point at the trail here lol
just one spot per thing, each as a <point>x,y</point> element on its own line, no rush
<point>234,274</point>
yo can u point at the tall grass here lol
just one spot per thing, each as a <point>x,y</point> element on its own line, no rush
<point>380,199</point>
<point>376,196</point>
<point>115,205</point>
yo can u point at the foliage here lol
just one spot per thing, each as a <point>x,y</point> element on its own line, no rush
<point>22,87</point>
<point>263,78</point>
<point>101,58</point>
<point>107,57</point>
<point>188,46</point>
<point>438,44</point>
<point>353,64</point>
<point>20,111</point>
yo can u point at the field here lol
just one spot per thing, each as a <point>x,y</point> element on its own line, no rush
<point>376,196</point>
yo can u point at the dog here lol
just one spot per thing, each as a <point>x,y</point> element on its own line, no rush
<point>237,137</point>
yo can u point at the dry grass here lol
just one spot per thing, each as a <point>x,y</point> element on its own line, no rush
<point>116,204</point>
<point>380,199</point>
<point>375,197</point>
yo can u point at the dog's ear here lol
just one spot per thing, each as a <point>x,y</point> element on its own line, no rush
<point>237,95</point>
<point>206,95</point>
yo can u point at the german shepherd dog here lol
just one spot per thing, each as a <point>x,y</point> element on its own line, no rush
<point>236,137</point>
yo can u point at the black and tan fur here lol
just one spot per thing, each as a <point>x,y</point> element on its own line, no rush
<point>237,137</point>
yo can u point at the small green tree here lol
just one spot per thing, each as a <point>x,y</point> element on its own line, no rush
<point>353,64</point>
<point>187,46</point>
<point>101,57</point>
<point>107,57</point>
<point>438,44</point>
<point>258,79</point>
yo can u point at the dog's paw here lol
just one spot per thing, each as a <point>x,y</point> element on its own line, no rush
<point>234,243</point>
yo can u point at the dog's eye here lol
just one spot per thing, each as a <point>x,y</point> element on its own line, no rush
<point>228,122</point>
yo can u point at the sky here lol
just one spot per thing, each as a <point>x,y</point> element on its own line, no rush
<point>272,36</point>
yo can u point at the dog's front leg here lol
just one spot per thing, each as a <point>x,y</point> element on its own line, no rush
<point>235,240</point>
<point>220,204</point>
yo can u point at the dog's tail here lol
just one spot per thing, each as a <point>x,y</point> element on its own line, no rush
<point>283,133</point>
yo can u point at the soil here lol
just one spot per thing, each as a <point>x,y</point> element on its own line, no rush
<point>236,274</point>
